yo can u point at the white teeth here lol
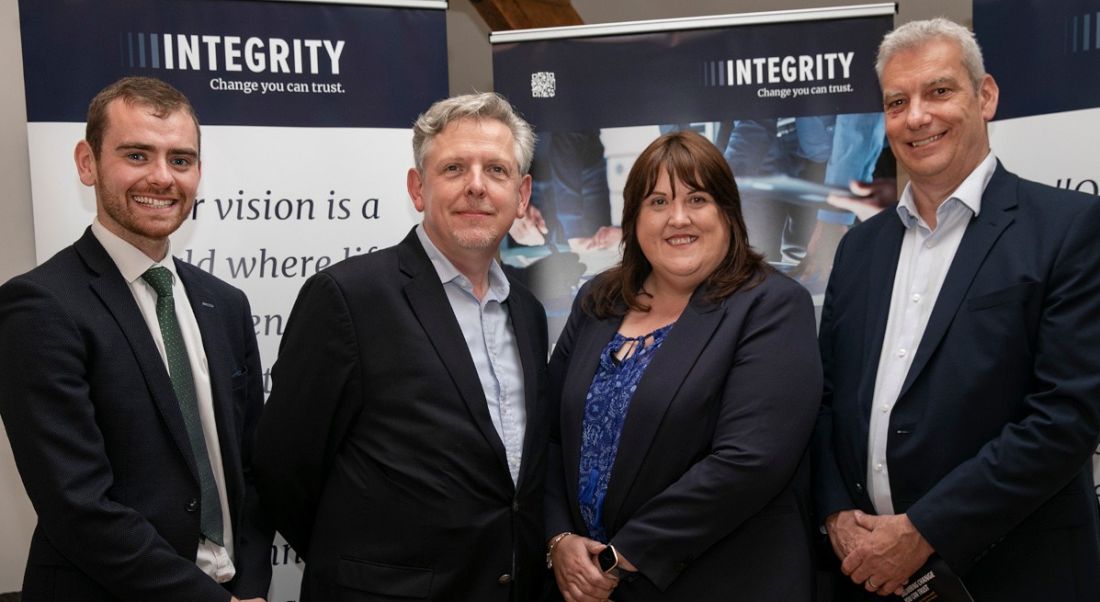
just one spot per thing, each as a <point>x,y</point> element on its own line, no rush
<point>681,240</point>
<point>154,203</point>
<point>921,143</point>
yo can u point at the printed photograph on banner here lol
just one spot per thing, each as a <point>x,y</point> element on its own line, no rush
<point>803,182</point>
<point>794,108</point>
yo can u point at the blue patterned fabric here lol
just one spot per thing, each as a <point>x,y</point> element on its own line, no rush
<point>605,410</point>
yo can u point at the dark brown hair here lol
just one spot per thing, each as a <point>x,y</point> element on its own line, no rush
<point>147,91</point>
<point>692,159</point>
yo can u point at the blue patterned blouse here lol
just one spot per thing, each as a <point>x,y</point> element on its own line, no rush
<point>605,410</point>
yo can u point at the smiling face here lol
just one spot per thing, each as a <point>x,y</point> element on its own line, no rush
<point>935,119</point>
<point>146,174</point>
<point>470,190</point>
<point>682,233</point>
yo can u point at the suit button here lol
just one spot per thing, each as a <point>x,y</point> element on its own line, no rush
<point>192,506</point>
<point>859,486</point>
<point>515,505</point>
<point>504,579</point>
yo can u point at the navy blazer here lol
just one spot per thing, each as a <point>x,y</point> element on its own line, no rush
<point>709,491</point>
<point>383,466</point>
<point>99,438</point>
<point>993,432</point>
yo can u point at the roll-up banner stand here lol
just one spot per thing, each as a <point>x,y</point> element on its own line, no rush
<point>790,97</point>
<point>1045,58</point>
<point>306,112</point>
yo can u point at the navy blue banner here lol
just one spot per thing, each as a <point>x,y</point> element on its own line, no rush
<point>242,62</point>
<point>757,71</point>
<point>1044,55</point>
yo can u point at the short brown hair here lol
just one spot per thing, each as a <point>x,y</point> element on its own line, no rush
<point>692,159</point>
<point>159,95</point>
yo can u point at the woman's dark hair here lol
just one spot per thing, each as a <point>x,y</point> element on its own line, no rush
<point>692,159</point>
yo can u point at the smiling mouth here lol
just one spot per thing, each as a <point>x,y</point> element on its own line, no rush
<point>681,240</point>
<point>926,141</point>
<point>146,201</point>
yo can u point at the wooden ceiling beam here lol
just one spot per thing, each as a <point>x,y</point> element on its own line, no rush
<point>505,15</point>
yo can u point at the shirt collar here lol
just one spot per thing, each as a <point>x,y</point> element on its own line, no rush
<point>969,193</point>
<point>499,288</point>
<point>131,262</point>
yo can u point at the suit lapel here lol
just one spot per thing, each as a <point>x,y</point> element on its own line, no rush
<point>428,301</point>
<point>219,358</point>
<point>663,377</point>
<point>983,231</point>
<point>110,287</point>
<point>880,288</point>
<point>530,355</point>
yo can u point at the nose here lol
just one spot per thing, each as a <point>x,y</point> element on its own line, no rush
<point>679,215</point>
<point>916,116</point>
<point>475,184</point>
<point>160,173</point>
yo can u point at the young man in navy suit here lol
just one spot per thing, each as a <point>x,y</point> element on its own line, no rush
<point>959,339</point>
<point>131,383</point>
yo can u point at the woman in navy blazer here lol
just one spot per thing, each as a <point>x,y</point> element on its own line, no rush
<point>688,379</point>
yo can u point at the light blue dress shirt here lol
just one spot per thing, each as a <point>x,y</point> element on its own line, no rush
<point>487,328</point>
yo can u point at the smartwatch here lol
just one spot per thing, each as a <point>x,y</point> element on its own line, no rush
<point>609,561</point>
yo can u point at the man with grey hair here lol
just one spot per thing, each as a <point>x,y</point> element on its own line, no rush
<point>403,445</point>
<point>962,396</point>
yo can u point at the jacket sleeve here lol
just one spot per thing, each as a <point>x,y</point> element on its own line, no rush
<point>830,494</point>
<point>254,531</point>
<point>47,407</point>
<point>316,396</point>
<point>558,517</point>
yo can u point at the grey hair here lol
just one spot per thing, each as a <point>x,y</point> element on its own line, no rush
<point>916,33</point>
<point>486,105</point>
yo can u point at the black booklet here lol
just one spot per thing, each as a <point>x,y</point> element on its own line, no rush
<point>935,581</point>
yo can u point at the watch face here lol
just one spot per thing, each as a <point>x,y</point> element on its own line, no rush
<point>609,559</point>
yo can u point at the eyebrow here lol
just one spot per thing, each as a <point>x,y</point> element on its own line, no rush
<point>932,83</point>
<point>946,79</point>
<point>127,146</point>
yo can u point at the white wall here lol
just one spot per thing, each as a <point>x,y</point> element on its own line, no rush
<point>470,69</point>
<point>16,256</point>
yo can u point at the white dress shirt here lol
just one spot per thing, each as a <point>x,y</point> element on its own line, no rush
<point>487,328</point>
<point>212,559</point>
<point>926,255</point>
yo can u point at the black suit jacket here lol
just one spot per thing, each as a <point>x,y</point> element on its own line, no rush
<point>99,438</point>
<point>709,493</point>
<point>992,435</point>
<point>384,469</point>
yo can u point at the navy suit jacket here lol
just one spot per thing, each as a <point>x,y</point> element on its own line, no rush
<point>383,466</point>
<point>99,438</point>
<point>991,437</point>
<point>709,492</point>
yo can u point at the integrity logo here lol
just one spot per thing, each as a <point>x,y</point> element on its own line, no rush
<point>778,69</point>
<point>194,52</point>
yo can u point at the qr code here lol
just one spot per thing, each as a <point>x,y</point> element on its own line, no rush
<point>542,84</point>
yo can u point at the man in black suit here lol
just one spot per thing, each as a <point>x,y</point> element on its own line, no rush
<point>403,445</point>
<point>959,339</point>
<point>131,382</point>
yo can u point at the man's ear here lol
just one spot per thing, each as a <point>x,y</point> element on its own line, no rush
<point>988,94</point>
<point>524,195</point>
<point>85,163</point>
<point>416,188</point>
